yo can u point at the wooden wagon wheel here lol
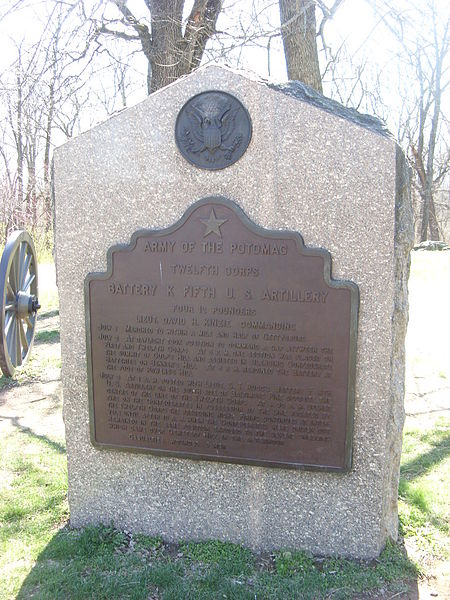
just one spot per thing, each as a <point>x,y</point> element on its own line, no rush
<point>18,294</point>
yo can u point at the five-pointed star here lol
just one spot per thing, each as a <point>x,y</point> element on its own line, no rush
<point>213,224</point>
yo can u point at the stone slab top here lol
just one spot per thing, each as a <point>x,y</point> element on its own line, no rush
<point>294,89</point>
<point>305,93</point>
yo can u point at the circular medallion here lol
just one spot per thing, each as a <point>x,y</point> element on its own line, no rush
<point>213,130</point>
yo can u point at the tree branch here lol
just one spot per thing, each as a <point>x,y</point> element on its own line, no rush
<point>200,27</point>
<point>328,13</point>
<point>118,34</point>
<point>141,29</point>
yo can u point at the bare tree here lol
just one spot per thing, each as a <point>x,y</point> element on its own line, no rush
<point>173,47</point>
<point>423,38</point>
<point>33,90</point>
<point>423,131</point>
<point>84,65</point>
<point>174,44</point>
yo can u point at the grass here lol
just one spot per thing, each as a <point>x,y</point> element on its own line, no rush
<point>41,557</point>
<point>42,560</point>
<point>47,337</point>
<point>48,292</point>
<point>43,242</point>
<point>424,507</point>
<point>33,486</point>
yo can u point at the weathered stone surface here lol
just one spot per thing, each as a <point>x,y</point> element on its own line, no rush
<point>301,91</point>
<point>306,170</point>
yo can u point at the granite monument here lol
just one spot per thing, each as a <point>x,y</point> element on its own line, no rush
<point>232,262</point>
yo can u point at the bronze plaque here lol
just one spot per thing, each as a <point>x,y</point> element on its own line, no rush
<point>216,339</point>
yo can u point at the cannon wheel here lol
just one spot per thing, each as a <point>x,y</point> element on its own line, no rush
<point>18,294</point>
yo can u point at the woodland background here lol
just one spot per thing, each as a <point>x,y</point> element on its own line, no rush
<point>68,64</point>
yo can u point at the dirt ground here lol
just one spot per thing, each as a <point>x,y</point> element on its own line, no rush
<point>37,404</point>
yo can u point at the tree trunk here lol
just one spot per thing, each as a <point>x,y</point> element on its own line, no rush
<point>19,144</point>
<point>165,69</point>
<point>31,197</point>
<point>174,54</point>
<point>429,228</point>
<point>433,222</point>
<point>298,30</point>
<point>426,197</point>
<point>48,135</point>
<point>166,55</point>
<point>170,52</point>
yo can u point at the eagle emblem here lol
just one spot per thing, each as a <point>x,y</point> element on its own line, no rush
<point>211,130</point>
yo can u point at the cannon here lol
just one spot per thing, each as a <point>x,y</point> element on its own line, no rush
<point>19,297</point>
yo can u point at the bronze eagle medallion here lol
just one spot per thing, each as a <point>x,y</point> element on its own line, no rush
<point>213,130</point>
